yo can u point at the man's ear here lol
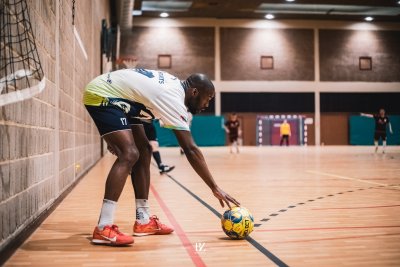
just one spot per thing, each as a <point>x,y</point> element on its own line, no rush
<point>195,92</point>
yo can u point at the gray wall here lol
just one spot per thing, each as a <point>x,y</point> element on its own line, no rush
<point>340,51</point>
<point>49,141</point>
<point>292,49</point>
<point>191,48</point>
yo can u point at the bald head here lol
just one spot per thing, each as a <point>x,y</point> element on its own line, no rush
<point>199,90</point>
<point>201,82</point>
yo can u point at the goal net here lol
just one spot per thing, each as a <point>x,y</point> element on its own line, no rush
<point>21,74</point>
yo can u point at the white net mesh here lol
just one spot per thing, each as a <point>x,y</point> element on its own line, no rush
<point>21,74</point>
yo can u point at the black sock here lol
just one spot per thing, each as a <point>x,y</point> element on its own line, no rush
<point>157,157</point>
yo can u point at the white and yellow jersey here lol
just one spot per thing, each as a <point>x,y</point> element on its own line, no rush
<point>141,93</point>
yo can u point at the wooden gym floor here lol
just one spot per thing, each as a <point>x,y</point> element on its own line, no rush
<point>328,206</point>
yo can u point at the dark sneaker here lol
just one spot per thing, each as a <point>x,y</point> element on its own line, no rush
<point>166,168</point>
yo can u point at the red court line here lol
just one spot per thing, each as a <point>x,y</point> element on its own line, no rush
<point>354,208</point>
<point>304,229</point>
<point>332,238</point>
<point>330,228</point>
<point>375,179</point>
<point>179,231</point>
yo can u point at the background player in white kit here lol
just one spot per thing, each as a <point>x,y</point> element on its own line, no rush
<point>114,98</point>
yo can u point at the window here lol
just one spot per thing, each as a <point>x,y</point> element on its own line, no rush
<point>365,63</point>
<point>267,62</point>
<point>164,61</point>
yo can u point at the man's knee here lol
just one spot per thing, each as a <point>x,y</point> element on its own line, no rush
<point>129,155</point>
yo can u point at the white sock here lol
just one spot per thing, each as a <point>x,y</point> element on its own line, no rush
<point>107,213</point>
<point>376,145</point>
<point>142,211</point>
<point>383,146</point>
<point>237,146</point>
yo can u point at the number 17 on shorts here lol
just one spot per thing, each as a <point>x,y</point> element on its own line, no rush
<point>124,121</point>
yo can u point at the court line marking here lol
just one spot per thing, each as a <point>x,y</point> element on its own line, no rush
<point>356,208</point>
<point>348,178</point>
<point>273,215</point>
<point>253,242</point>
<point>308,229</point>
<point>197,260</point>
<point>333,238</point>
<point>330,228</point>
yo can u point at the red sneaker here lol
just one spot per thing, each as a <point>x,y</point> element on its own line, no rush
<point>154,227</point>
<point>110,235</point>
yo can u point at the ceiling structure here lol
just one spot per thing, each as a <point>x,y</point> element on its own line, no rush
<point>356,10</point>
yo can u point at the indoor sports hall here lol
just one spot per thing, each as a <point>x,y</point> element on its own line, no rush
<point>299,124</point>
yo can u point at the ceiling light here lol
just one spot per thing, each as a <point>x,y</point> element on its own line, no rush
<point>164,15</point>
<point>269,16</point>
<point>136,12</point>
<point>166,6</point>
<point>369,18</point>
<point>321,9</point>
<point>290,0</point>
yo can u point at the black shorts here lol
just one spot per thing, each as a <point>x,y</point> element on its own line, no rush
<point>378,135</point>
<point>149,128</point>
<point>110,119</point>
<point>233,138</point>
<point>150,131</point>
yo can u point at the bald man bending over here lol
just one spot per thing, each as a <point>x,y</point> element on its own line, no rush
<point>116,99</point>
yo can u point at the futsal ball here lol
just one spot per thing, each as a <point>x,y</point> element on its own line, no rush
<point>237,222</point>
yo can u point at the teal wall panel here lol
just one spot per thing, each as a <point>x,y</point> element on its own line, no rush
<point>206,131</point>
<point>362,130</point>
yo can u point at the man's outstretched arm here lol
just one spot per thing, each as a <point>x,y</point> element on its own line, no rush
<point>196,159</point>
<point>390,128</point>
<point>367,115</point>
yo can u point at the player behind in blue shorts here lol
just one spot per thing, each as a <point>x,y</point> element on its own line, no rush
<point>113,100</point>
<point>151,134</point>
